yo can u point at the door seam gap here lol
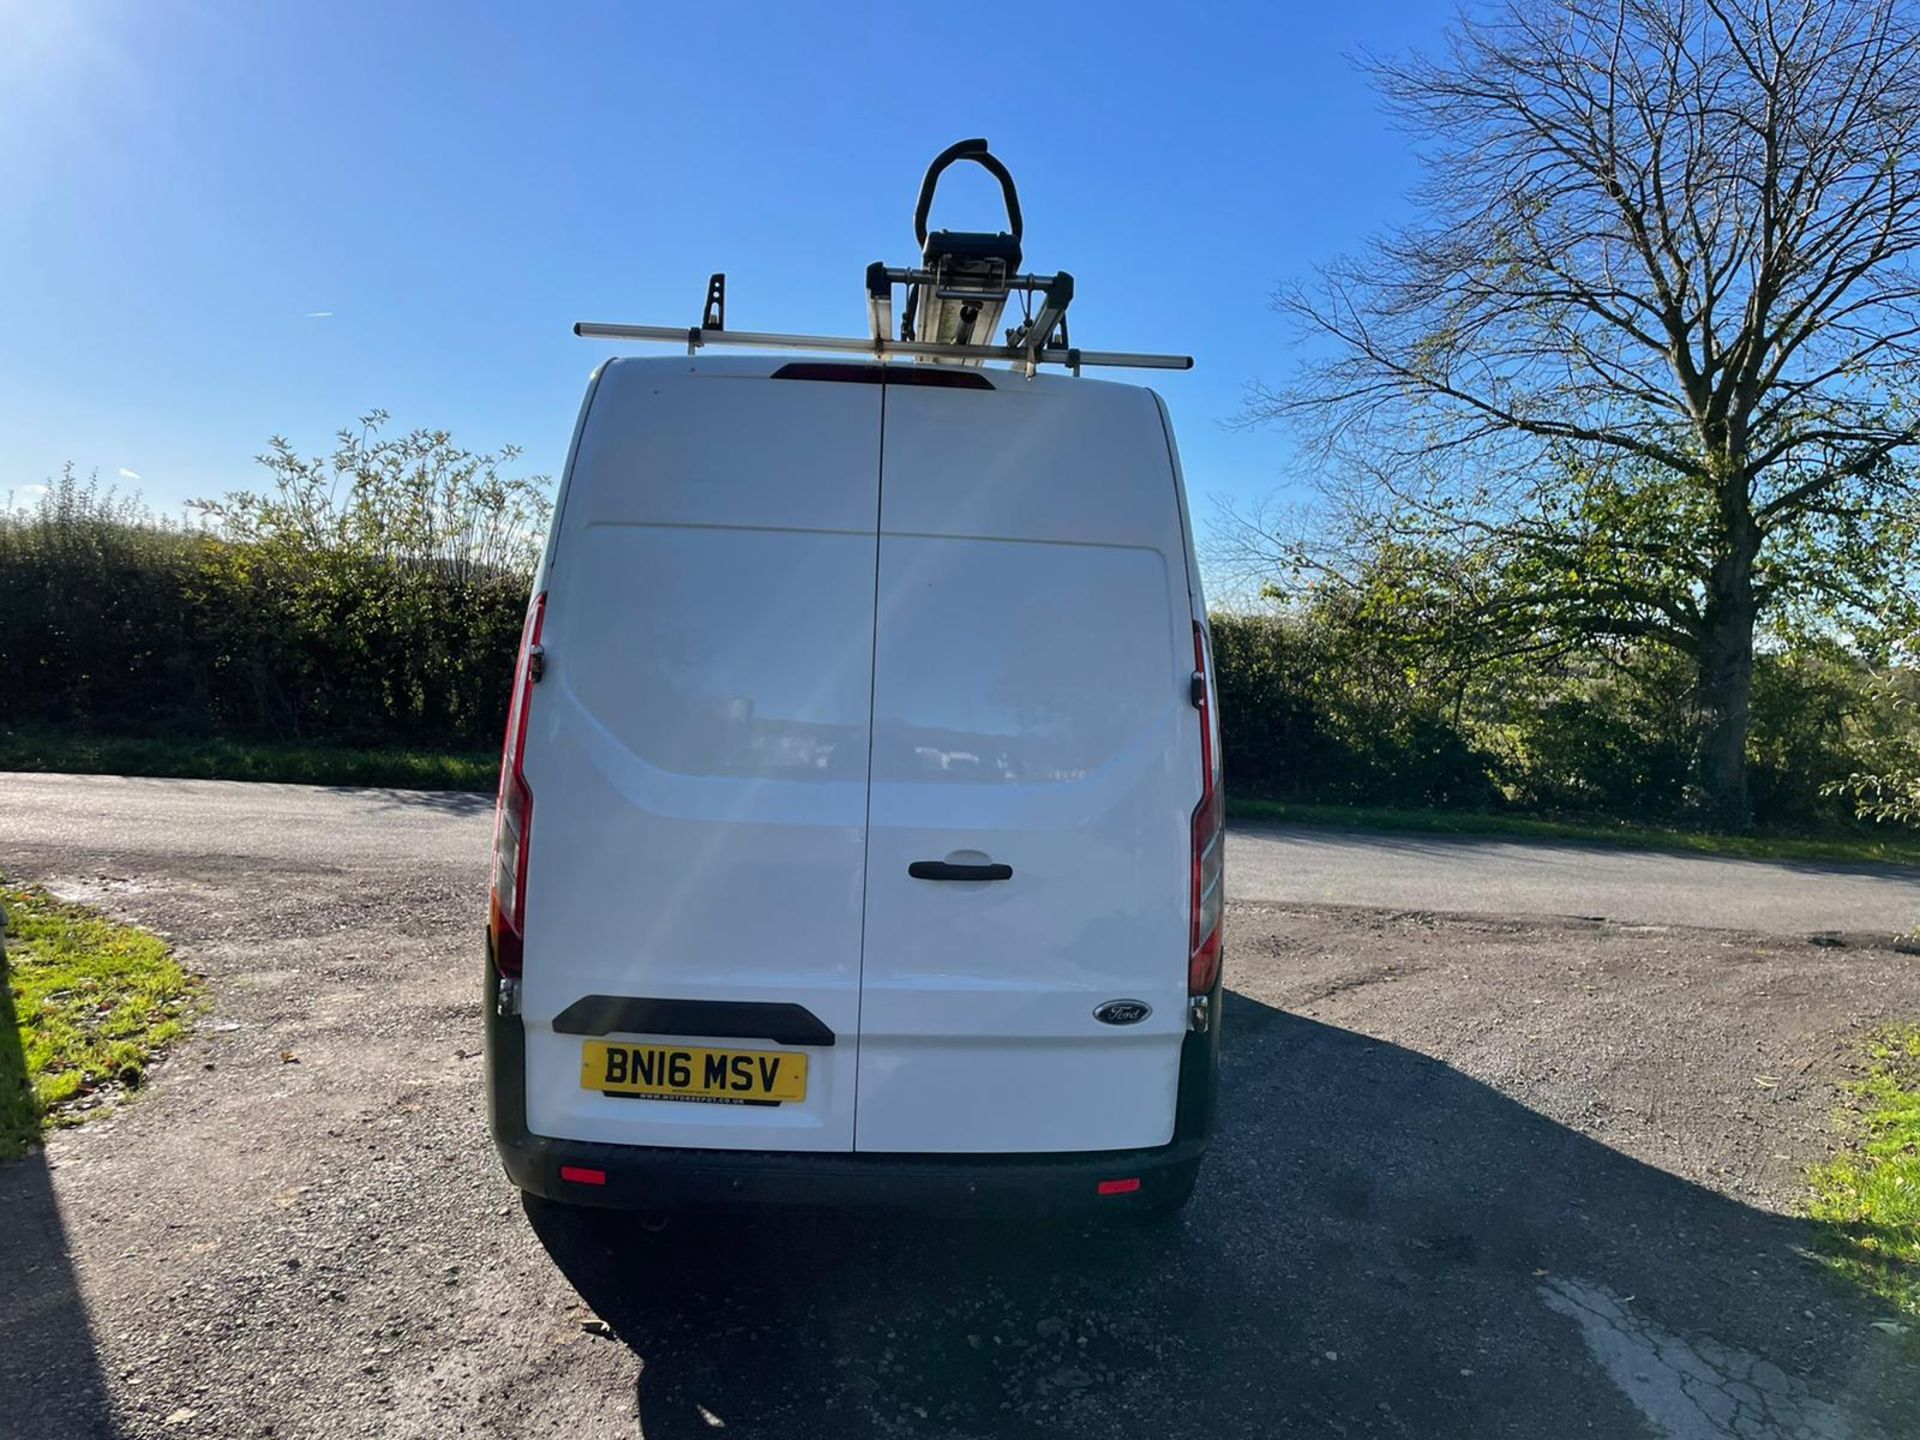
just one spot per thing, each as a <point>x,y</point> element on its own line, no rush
<point>866,831</point>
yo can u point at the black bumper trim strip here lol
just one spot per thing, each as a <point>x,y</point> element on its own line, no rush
<point>782,1023</point>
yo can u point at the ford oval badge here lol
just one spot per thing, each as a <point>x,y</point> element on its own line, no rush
<point>1123,1012</point>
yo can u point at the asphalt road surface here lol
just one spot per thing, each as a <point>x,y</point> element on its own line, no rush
<point>300,825</point>
<point>1475,1176</point>
<point>1493,876</point>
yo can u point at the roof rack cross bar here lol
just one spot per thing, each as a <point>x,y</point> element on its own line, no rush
<point>696,339</point>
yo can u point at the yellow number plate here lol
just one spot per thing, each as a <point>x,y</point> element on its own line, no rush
<point>681,1072</point>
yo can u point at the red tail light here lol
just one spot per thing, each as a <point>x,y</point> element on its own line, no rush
<point>513,812</point>
<point>1209,831</point>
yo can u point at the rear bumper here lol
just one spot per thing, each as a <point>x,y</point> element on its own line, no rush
<point>641,1178</point>
<point>651,1177</point>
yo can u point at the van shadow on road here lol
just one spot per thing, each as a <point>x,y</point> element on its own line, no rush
<point>1381,1246</point>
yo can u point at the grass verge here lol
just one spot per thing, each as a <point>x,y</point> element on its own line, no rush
<point>85,1006</point>
<point>1634,837</point>
<point>238,760</point>
<point>1867,1200</point>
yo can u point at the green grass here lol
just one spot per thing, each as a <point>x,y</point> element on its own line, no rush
<point>239,760</point>
<point>84,1008</point>
<point>1867,1200</point>
<point>1638,837</point>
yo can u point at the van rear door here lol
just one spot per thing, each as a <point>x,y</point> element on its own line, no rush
<point>1032,711</point>
<point>697,754</point>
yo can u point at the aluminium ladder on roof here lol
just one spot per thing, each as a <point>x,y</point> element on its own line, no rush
<point>955,298</point>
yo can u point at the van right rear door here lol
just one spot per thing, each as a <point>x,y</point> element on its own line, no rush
<point>1032,711</point>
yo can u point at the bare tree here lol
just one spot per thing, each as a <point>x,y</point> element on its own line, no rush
<point>1657,329</point>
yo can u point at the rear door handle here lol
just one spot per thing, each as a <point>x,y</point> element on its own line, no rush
<point>947,870</point>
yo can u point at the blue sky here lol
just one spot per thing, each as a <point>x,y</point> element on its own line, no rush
<point>229,220</point>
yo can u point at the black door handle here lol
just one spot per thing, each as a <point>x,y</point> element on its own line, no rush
<point>945,870</point>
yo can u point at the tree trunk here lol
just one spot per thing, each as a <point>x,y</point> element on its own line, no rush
<point>1726,676</point>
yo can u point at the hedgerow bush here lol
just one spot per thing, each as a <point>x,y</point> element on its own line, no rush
<point>1320,703</point>
<point>374,596</point>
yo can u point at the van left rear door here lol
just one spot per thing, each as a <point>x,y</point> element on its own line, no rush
<point>698,753</point>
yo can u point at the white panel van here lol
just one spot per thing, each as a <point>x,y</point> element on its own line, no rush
<point>859,829</point>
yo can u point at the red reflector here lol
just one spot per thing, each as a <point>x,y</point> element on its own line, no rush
<point>580,1175</point>
<point>1119,1187</point>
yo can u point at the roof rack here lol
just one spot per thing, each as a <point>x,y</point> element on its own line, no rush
<point>698,338</point>
<point>955,297</point>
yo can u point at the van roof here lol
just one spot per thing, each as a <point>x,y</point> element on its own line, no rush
<point>760,367</point>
